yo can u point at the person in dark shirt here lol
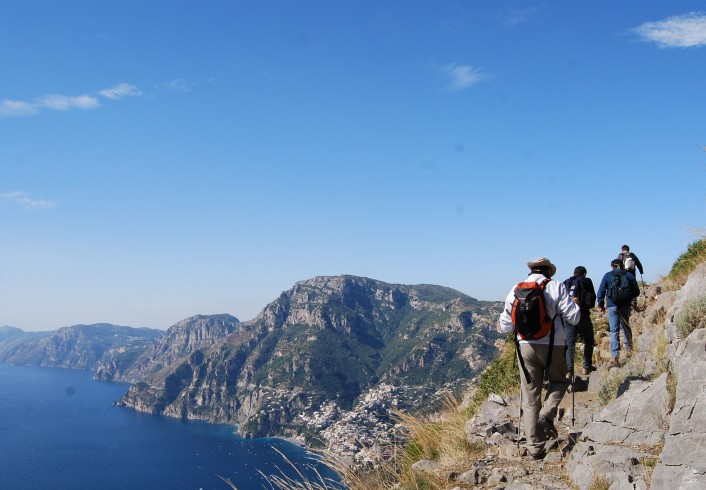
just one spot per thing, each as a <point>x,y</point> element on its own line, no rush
<point>630,261</point>
<point>582,293</point>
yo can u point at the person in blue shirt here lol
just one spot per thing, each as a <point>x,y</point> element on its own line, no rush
<point>618,309</point>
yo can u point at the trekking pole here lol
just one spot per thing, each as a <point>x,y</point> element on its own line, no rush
<point>519,415</point>
<point>573,396</point>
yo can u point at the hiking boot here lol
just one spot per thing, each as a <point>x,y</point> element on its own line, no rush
<point>614,362</point>
<point>586,372</point>
<point>546,428</point>
<point>538,455</point>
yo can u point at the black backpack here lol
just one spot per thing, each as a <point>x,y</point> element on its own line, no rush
<point>587,295</point>
<point>620,291</point>
<point>578,288</point>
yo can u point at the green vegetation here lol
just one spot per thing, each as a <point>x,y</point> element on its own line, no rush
<point>686,263</point>
<point>502,376</point>
<point>692,316</point>
<point>611,385</point>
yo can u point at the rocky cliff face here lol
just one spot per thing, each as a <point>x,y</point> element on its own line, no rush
<point>180,340</point>
<point>328,340</point>
<point>77,347</point>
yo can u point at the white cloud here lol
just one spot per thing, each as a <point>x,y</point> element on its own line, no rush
<point>27,202</point>
<point>682,31</point>
<point>462,76</point>
<point>66,102</point>
<point>58,102</point>
<point>11,108</point>
<point>120,91</point>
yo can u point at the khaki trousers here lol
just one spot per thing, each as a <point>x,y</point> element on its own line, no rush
<point>535,358</point>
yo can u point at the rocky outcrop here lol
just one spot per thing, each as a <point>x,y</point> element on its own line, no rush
<point>326,342</point>
<point>178,342</point>
<point>652,424</point>
<point>683,460</point>
<point>647,424</point>
<point>650,436</point>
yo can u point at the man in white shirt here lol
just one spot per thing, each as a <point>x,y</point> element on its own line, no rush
<point>534,353</point>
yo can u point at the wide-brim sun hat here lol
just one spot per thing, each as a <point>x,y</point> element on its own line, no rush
<point>542,262</point>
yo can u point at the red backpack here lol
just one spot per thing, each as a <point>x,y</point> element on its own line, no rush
<point>529,311</point>
<point>531,320</point>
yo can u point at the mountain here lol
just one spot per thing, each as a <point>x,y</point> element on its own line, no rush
<point>179,341</point>
<point>7,332</point>
<point>78,346</point>
<point>326,342</point>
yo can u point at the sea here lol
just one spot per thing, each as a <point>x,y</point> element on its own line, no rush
<point>59,430</point>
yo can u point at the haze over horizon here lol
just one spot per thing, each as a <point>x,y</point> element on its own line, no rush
<point>160,159</point>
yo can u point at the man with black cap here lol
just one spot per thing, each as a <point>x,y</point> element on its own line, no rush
<point>542,357</point>
<point>617,290</point>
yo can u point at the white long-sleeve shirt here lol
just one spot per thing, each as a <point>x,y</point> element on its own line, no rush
<point>556,297</point>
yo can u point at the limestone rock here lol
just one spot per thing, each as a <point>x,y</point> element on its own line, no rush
<point>683,459</point>
<point>636,417</point>
<point>427,466</point>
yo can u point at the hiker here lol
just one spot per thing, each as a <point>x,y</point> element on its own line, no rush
<point>617,290</point>
<point>540,354</point>
<point>630,261</point>
<point>582,293</point>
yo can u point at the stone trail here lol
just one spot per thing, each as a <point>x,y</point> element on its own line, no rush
<point>651,436</point>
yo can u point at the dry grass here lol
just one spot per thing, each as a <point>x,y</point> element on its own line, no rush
<point>610,386</point>
<point>659,354</point>
<point>441,439</point>
<point>349,478</point>
<point>599,483</point>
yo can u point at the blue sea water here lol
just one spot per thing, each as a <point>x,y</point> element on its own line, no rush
<point>59,430</point>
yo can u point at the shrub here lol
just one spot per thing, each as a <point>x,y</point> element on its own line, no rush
<point>691,316</point>
<point>688,261</point>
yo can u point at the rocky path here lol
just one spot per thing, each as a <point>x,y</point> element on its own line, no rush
<point>649,436</point>
<point>506,464</point>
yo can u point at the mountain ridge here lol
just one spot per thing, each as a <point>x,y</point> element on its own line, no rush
<point>326,345</point>
<point>327,339</point>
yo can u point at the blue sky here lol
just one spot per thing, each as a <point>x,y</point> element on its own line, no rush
<point>163,159</point>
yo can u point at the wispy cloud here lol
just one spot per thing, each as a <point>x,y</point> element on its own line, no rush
<point>682,31</point>
<point>462,76</point>
<point>66,102</point>
<point>120,91</point>
<point>179,85</point>
<point>27,202</point>
<point>58,102</point>
<point>9,108</point>
<point>514,17</point>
